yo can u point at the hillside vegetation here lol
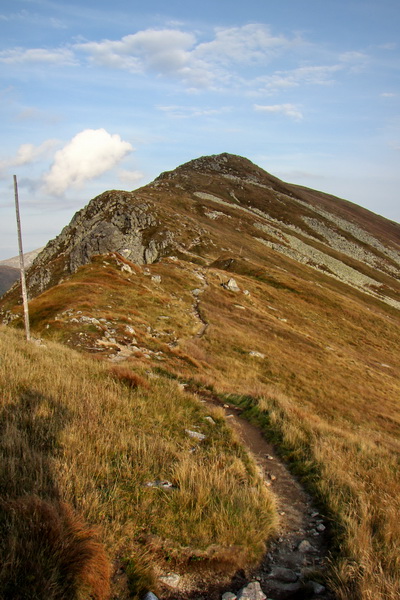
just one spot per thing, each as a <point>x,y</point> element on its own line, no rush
<point>86,446</point>
<point>282,300</point>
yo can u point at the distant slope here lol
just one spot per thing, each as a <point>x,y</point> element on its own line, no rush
<point>9,269</point>
<point>29,257</point>
<point>8,276</point>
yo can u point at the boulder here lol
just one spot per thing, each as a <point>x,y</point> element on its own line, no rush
<point>231,285</point>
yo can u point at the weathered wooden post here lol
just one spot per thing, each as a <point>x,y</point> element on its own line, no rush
<point>21,264</point>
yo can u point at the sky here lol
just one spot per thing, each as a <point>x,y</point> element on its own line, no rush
<point>99,95</point>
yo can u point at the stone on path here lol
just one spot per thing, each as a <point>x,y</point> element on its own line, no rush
<point>283,574</point>
<point>171,579</point>
<point>150,596</point>
<point>305,546</point>
<point>228,596</point>
<point>252,591</point>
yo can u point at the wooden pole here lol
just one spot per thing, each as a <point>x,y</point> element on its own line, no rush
<point>21,264</point>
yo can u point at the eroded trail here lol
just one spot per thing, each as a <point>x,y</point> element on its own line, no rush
<point>296,559</point>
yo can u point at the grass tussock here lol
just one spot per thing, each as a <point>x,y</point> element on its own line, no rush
<point>76,435</point>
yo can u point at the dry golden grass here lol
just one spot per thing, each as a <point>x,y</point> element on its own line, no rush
<point>327,388</point>
<point>75,433</point>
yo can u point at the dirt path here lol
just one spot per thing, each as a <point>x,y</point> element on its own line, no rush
<point>297,557</point>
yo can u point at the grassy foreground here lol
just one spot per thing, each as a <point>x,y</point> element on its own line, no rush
<point>79,442</point>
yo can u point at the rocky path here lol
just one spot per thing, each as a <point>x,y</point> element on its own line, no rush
<point>296,560</point>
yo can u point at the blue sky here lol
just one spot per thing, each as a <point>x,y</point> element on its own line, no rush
<point>97,95</point>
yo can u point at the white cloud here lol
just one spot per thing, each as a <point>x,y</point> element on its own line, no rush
<point>60,56</point>
<point>186,112</point>
<point>246,44</point>
<point>388,95</point>
<point>310,75</point>
<point>179,54</point>
<point>28,154</point>
<point>289,110</point>
<point>89,154</point>
<point>355,61</point>
<point>162,51</point>
<point>130,177</point>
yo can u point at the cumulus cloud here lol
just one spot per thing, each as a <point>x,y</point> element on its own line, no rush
<point>89,154</point>
<point>289,110</point>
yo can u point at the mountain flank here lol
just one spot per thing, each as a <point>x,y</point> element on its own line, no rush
<point>219,281</point>
<point>183,213</point>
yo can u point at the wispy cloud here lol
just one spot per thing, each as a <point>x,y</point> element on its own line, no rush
<point>89,154</point>
<point>289,110</point>
<point>130,178</point>
<point>355,61</point>
<point>179,54</point>
<point>57,56</point>
<point>186,112</point>
<point>243,59</point>
<point>28,154</point>
<point>310,75</point>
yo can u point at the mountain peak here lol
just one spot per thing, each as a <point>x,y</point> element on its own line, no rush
<point>223,164</point>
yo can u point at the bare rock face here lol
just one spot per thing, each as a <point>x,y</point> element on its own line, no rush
<point>112,222</point>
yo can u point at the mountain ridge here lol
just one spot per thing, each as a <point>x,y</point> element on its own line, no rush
<point>227,193</point>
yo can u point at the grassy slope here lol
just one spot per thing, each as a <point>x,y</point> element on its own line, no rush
<point>77,432</point>
<point>327,387</point>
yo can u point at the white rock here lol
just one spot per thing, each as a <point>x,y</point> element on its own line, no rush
<point>127,268</point>
<point>171,579</point>
<point>231,285</point>
<point>195,434</point>
<point>256,354</point>
<point>252,591</point>
<point>228,596</point>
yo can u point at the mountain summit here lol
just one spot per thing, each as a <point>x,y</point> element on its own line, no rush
<point>226,204</point>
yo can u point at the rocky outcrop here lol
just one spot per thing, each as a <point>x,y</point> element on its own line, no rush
<point>112,222</point>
